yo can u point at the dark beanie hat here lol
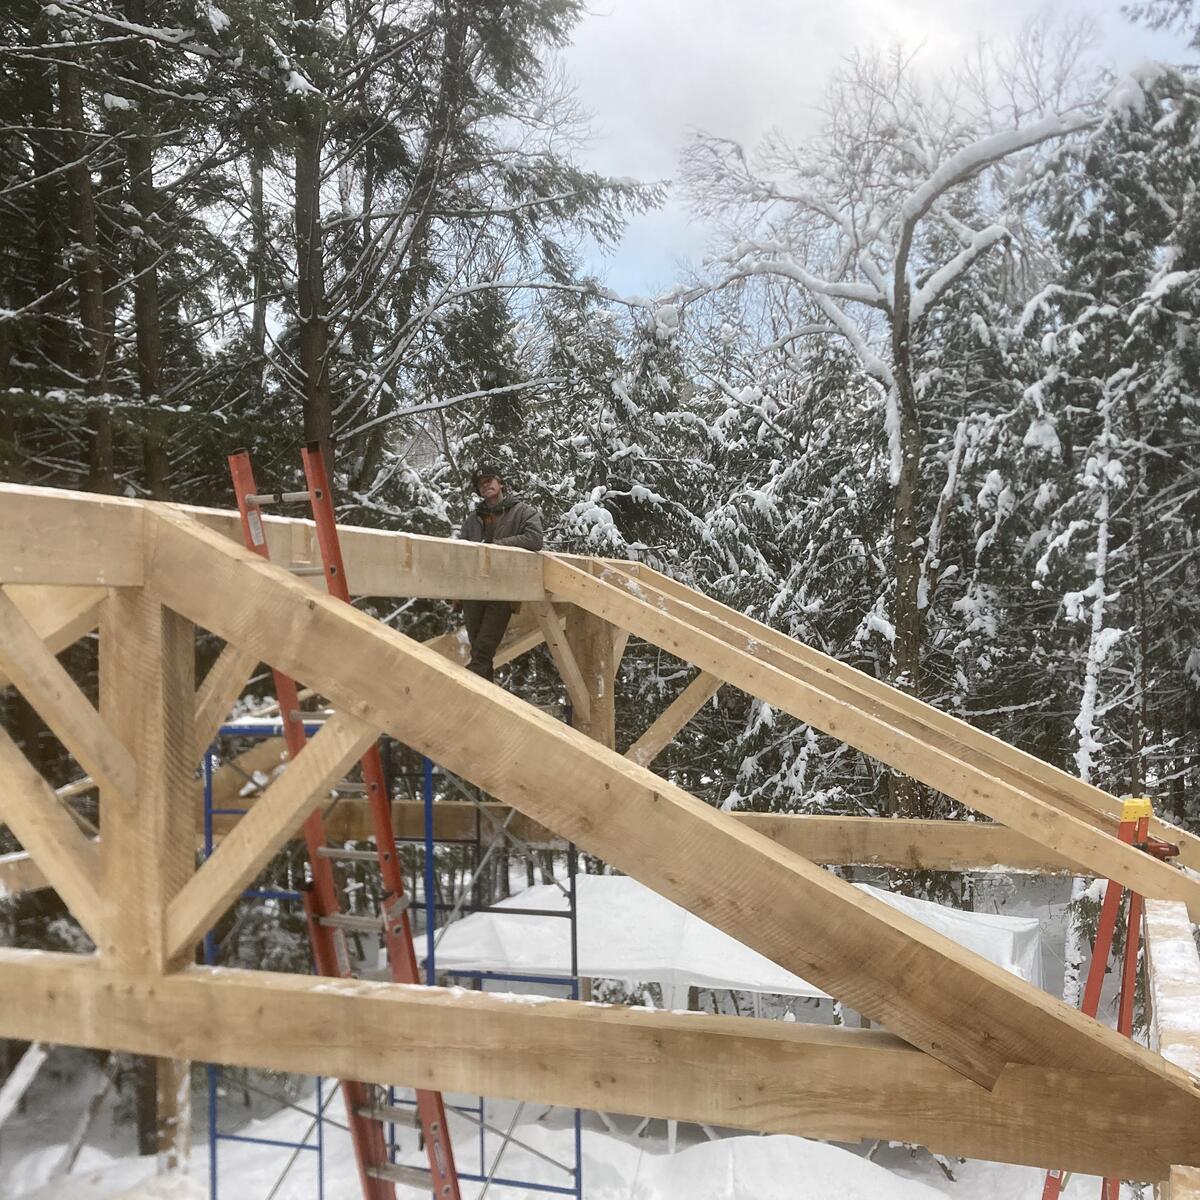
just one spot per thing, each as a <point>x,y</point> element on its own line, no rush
<point>483,471</point>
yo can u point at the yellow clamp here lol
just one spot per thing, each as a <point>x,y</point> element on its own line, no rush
<point>1134,808</point>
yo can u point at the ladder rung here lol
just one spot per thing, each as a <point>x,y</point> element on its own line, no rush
<point>348,855</point>
<point>305,569</point>
<point>352,923</point>
<point>391,1113</point>
<point>261,498</point>
<point>413,1176</point>
<point>298,714</point>
<point>308,718</point>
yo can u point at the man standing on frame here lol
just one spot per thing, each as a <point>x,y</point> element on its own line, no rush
<point>499,520</point>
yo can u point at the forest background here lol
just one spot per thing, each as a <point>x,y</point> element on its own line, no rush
<point>930,404</point>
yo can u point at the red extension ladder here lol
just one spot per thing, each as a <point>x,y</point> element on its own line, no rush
<point>1133,830</point>
<point>327,924</point>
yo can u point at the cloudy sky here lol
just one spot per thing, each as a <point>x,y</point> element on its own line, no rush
<point>652,71</point>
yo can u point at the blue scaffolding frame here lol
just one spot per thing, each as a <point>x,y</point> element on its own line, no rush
<point>429,905</point>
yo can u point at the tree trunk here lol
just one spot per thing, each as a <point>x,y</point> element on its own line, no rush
<point>446,114</point>
<point>908,798</point>
<point>53,330</point>
<point>93,347</point>
<point>258,325</point>
<point>139,151</point>
<point>310,259</point>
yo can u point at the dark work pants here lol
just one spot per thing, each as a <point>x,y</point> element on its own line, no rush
<point>486,621</point>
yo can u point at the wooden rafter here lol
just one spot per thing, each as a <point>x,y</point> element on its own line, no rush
<point>230,778</point>
<point>564,657</point>
<point>673,718</point>
<point>827,840</point>
<point>766,672</point>
<point>844,1084</point>
<point>268,825</point>
<point>20,874</point>
<point>68,859</point>
<point>44,682</point>
<point>884,964</point>
<point>1050,784</point>
<point>60,616</point>
<point>524,634</point>
<point>216,695</point>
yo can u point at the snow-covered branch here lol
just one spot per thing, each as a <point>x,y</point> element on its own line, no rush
<point>933,288</point>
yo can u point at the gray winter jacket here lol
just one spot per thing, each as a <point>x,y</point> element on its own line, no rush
<point>512,522</point>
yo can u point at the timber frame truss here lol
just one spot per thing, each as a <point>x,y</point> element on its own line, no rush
<point>973,1062</point>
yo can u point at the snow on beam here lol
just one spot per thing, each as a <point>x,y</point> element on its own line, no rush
<point>959,1008</point>
<point>1173,971</point>
<point>777,1077</point>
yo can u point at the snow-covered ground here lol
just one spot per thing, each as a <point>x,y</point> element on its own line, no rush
<point>615,1166</point>
<point>618,1163</point>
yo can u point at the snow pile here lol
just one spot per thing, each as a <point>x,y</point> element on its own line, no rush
<point>166,1187</point>
<point>771,1168</point>
<point>630,933</point>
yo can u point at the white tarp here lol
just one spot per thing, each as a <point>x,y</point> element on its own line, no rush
<point>630,933</point>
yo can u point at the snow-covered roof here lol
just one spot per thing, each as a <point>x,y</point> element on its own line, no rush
<point>630,933</point>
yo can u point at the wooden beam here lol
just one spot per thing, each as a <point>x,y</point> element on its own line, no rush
<point>564,658</point>
<point>1173,977</point>
<point>673,718</point>
<point>264,830</point>
<point>147,843</point>
<point>1049,783</point>
<point>620,642</point>
<point>906,844</point>
<point>44,682</point>
<point>523,634</point>
<point>229,779</point>
<point>881,962</point>
<point>20,874</point>
<point>777,1077</point>
<point>382,562</point>
<point>827,840</point>
<point>51,536</point>
<point>59,615</point>
<point>592,641</point>
<point>29,807</point>
<point>763,671</point>
<point>216,695</point>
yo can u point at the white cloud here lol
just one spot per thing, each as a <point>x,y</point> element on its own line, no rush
<point>651,71</point>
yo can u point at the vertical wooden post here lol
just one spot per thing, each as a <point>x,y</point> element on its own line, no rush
<point>592,641</point>
<point>147,843</point>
